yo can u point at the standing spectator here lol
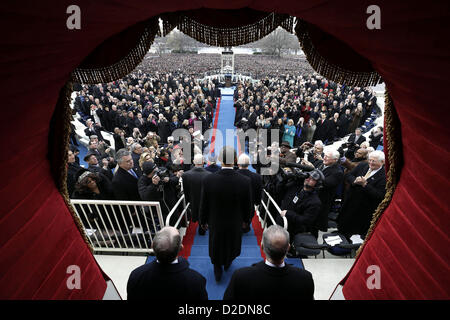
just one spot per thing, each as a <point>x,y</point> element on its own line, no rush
<point>125,179</point>
<point>192,186</point>
<point>311,128</point>
<point>289,132</point>
<point>375,137</point>
<point>72,170</point>
<point>367,189</point>
<point>244,162</point>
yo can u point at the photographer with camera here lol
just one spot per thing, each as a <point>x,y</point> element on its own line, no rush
<point>156,184</point>
<point>333,177</point>
<point>302,206</point>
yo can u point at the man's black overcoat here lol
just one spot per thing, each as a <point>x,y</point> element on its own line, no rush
<point>361,202</point>
<point>174,282</point>
<point>192,186</point>
<point>264,283</point>
<point>226,202</point>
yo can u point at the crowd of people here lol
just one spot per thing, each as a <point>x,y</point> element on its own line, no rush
<point>143,110</point>
<point>257,66</point>
<point>304,108</point>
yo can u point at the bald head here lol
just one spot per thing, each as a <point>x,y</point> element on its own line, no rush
<point>361,153</point>
<point>167,244</point>
<point>275,243</point>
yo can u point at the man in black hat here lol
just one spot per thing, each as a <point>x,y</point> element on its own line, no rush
<point>302,208</point>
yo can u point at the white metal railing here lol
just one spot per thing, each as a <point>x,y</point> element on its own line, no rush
<point>119,226</point>
<point>175,207</point>
<point>267,212</point>
<point>182,215</point>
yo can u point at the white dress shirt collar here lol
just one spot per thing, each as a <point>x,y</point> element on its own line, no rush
<point>270,264</point>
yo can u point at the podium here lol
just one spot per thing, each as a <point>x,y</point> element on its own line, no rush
<point>228,83</point>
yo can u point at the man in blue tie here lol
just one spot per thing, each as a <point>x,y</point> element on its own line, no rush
<point>125,179</point>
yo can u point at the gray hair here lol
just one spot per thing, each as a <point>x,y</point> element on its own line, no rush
<point>275,242</point>
<point>122,153</point>
<point>244,160</point>
<point>166,244</point>
<point>319,143</point>
<point>334,153</point>
<point>378,154</point>
<point>134,146</point>
<point>198,158</point>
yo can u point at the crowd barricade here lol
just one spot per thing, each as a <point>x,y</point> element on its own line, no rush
<point>119,226</point>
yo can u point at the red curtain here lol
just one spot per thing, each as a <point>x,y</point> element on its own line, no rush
<point>38,238</point>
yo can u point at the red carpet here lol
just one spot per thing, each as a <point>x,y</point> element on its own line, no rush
<point>256,225</point>
<point>213,138</point>
<point>188,239</point>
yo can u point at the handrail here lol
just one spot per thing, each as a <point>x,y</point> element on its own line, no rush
<point>169,216</point>
<point>266,207</point>
<point>183,213</point>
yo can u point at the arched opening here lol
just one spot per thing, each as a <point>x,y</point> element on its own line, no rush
<point>407,93</point>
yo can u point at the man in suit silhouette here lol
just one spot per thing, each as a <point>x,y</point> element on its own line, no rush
<point>367,189</point>
<point>271,279</point>
<point>192,185</point>
<point>244,162</point>
<point>212,167</point>
<point>225,204</point>
<point>168,277</point>
<point>334,176</point>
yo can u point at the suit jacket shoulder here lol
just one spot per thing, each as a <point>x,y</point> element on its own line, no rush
<point>262,282</point>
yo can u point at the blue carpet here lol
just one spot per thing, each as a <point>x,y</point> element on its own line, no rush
<point>225,125</point>
<point>226,132</point>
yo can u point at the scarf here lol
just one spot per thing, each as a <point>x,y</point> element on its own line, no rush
<point>298,133</point>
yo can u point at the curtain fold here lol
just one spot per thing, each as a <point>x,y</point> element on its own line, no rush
<point>120,54</point>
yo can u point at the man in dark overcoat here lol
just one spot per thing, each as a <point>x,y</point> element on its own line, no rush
<point>192,186</point>
<point>168,277</point>
<point>125,181</point>
<point>225,204</point>
<point>334,176</point>
<point>272,279</point>
<point>367,189</point>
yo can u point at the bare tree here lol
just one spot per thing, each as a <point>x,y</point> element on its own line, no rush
<point>179,42</point>
<point>277,41</point>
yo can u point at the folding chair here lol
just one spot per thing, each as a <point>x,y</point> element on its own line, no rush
<point>306,245</point>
